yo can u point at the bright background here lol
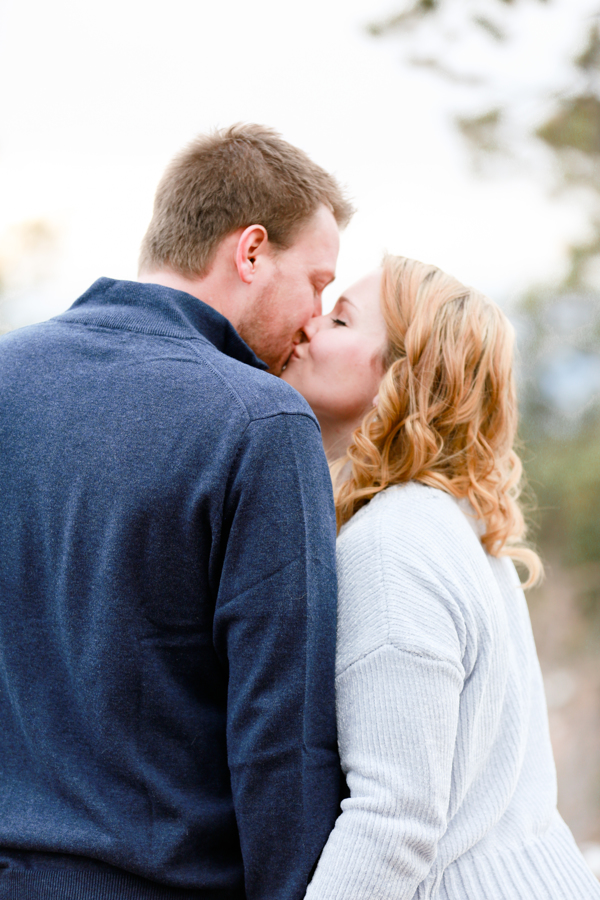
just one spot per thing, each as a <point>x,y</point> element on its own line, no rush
<point>98,97</point>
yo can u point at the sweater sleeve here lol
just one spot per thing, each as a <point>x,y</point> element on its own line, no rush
<point>275,626</point>
<point>397,723</point>
<point>398,695</point>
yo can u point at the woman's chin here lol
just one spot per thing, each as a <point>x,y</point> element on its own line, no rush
<point>290,376</point>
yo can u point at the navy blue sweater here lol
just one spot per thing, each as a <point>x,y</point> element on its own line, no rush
<point>167,610</point>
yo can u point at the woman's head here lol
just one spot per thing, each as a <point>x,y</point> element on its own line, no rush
<point>441,362</point>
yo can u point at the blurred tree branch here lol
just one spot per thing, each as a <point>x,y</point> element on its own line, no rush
<point>502,118</point>
<point>511,114</point>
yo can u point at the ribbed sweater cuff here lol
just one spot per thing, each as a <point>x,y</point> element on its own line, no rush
<point>549,866</point>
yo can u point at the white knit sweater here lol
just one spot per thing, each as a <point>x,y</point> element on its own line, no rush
<point>442,721</point>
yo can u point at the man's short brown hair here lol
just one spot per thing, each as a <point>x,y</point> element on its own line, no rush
<point>230,179</point>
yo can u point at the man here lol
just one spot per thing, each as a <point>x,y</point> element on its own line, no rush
<point>167,588</point>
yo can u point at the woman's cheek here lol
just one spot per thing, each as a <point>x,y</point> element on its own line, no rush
<point>325,356</point>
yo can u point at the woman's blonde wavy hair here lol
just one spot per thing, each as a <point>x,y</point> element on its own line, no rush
<point>447,412</point>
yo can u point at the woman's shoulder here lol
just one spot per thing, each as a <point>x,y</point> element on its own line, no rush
<point>412,572</point>
<point>422,516</point>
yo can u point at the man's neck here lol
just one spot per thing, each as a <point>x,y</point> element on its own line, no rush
<point>208,289</point>
<point>173,280</point>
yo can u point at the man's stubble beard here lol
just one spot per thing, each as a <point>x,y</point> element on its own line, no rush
<point>259,330</point>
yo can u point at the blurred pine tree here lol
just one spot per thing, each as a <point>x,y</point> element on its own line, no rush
<point>535,122</point>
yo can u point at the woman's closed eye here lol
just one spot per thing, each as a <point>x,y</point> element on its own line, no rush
<point>337,321</point>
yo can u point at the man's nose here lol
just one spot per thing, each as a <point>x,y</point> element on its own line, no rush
<point>312,326</point>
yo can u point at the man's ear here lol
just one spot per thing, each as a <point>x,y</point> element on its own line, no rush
<point>252,243</point>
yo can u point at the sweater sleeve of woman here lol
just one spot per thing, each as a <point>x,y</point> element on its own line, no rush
<point>405,638</point>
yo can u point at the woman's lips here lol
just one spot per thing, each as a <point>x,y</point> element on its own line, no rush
<point>293,355</point>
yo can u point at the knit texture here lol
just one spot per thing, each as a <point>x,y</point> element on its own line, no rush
<point>167,610</point>
<point>442,722</point>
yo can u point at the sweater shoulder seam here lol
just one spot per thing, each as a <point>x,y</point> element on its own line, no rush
<point>384,645</point>
<point>301,556</point>
<point>239,400</point>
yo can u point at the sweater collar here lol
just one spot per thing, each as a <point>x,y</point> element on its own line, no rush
<point>154,309</point>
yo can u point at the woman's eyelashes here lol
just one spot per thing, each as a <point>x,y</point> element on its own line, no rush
<point>337,321</point>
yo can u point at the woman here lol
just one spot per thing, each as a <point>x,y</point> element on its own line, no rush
<point>442,722</point>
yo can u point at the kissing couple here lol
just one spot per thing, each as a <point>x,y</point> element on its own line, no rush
<point>193,703</point>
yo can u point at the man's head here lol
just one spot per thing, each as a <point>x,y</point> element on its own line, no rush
<point>253,223</point>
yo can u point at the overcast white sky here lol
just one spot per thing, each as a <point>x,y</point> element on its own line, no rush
<point>96,98</point>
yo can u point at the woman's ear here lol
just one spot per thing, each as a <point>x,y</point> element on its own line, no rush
<point>253,242</point>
